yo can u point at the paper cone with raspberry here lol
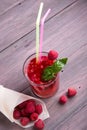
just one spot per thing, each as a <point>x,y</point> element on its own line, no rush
<point>12,105</point>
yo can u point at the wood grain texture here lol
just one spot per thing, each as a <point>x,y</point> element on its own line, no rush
<point>6,5</point>
<point>68,44</point>
<point>20,20</point>
<point>66,32</point>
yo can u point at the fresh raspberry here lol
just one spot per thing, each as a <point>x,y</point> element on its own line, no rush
<point>30,107</point>
<point>39,124</point>
<point>23,113</point>
<point>24,121</point>
<point>72,92</point>
<point>52,55</point>
<point>34,116</point>
<point>16,114</point>
<point>31,101</point>
<point>22,105</point>
<point>63,99</point>
<point>38,108</point>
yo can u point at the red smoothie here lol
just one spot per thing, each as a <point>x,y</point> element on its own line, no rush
<point>33,71</point>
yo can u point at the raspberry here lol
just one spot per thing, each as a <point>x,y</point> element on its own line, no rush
<point>30,107</point>
<point>22,105</point>
<point>38,108</point>
<point>39,124</point>
<point>52,55</point>
<point>16,114</point>
<point>23,113</point>
<point>31,101</point>
<point>34,116</point>
<point>24,121</point>
<point>63,99</point>
<point>72,92</point>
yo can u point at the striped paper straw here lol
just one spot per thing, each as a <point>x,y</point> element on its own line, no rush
<point>37,31</point>
<point>42,30</point>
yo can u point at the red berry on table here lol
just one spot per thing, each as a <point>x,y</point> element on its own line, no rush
<point>63,99</point>
<point>34,116</point>
<point>38,108</point>
<point>72,92</point>
<point>52,55</point>
<point>16,114</point>
<point>24,121</point>
<point>39,124</point>
<point>30,107</point>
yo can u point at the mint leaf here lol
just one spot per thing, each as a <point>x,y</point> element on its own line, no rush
<point>59,64</point>
<point>63,60</point>
<point>50,72</point>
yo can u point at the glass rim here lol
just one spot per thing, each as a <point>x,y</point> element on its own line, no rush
<point>30,81</point>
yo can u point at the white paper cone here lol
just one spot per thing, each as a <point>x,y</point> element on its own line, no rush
<point>9,99</point>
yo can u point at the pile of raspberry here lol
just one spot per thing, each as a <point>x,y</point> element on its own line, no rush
<point>27,112</point>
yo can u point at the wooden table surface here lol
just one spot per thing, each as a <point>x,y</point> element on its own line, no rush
<point>66,32</point>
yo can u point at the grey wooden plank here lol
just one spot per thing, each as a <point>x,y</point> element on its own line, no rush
<point>5,5</point>
<point>66,33</point>
<point>68,36</point>
<point>20,20</point>
<point>70,116</point>
<point>77,120</point>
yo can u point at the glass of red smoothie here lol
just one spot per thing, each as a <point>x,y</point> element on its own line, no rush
<point>33,72</point>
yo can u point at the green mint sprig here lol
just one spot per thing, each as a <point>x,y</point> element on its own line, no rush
<point>51,71</point>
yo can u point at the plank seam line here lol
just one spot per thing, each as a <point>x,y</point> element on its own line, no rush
<point>81,106</point>
<point>12,6</point>
<point>16,41</point>
<point>74,2</point>
<point>34,28</point>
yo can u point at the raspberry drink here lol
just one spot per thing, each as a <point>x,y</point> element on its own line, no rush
<point>33,72</point>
